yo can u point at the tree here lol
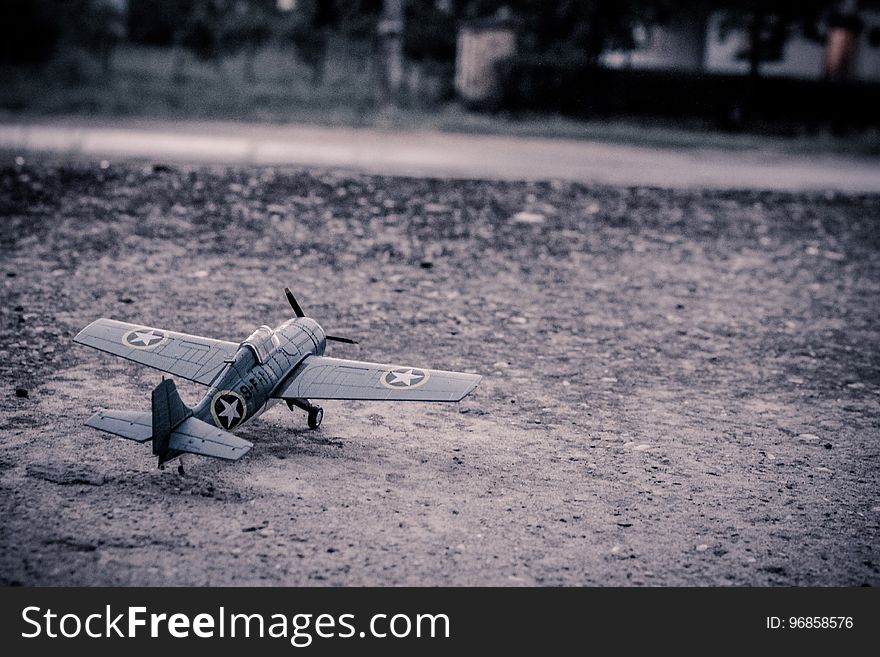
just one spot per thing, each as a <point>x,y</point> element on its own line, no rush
<point>248,26</point>
<point>32,32</point>
<point>390,32</point>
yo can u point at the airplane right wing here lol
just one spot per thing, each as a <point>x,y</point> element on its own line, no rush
<point>319,377</point>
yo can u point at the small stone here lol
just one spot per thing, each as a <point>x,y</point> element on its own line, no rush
<point>21,392</point>
<point>702,547</point>
<point>435,208</point>
<point>518,320</point>
<point>641,448</point>
<point>828,445</point>
<point>528,218</point>
<point>808,438</point>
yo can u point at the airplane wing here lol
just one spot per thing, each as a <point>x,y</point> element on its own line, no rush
<point>187,356</point>
<point>319,377</point>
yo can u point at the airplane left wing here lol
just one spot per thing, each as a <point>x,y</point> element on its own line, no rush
<point>319,377</point>
<point>187,356</point>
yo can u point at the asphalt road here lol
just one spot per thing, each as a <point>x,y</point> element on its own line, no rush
<point>436,154</point>
<point>681,387</point>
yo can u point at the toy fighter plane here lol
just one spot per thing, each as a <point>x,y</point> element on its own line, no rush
<point>285,364</point>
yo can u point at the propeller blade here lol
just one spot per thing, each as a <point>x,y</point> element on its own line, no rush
<point>336,338</point>
<point>293,304</point>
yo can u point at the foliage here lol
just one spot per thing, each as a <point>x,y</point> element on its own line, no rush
<point>32,32</point>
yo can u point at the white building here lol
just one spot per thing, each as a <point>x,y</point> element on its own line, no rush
<point>699,44</point>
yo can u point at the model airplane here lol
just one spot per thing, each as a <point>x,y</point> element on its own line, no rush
<point>283,364</point>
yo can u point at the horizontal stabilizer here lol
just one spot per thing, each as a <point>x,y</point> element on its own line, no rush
<point>128,424</point>
<point>197,437</point>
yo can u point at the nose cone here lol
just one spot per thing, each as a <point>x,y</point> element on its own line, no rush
<point>316,333</point>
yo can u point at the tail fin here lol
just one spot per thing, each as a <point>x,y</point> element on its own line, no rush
<point>172,427</point>
<point>169,411</point>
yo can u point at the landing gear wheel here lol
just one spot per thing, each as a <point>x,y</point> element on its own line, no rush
<point>316,414</point>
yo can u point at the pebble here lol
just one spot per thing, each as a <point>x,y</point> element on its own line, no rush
<point>702,547</point>
<point>528,218</point>
<point>642,447</point>
<point>434,208</point>
<point>808,438</point>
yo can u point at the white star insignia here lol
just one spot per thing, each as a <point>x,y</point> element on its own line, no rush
<point>145,337</point>
<point>404,376</point>
<point>229,411</point>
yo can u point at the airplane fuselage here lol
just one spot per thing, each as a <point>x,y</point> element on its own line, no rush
<point>243,390</point>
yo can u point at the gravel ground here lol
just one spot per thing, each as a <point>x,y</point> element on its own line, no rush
<point>681,388</point>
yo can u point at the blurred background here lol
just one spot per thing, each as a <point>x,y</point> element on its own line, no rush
<point>603,68</point>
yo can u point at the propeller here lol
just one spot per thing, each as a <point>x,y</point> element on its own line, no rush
<point>336,338</point>
<point>293,304</point>
<point>299,313</point>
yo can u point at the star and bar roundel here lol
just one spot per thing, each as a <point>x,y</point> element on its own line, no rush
<point>404,378</point>
<point>143,338</point>
<point>228,409</point>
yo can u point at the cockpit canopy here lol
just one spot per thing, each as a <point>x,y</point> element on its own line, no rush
<point>263,342</point>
